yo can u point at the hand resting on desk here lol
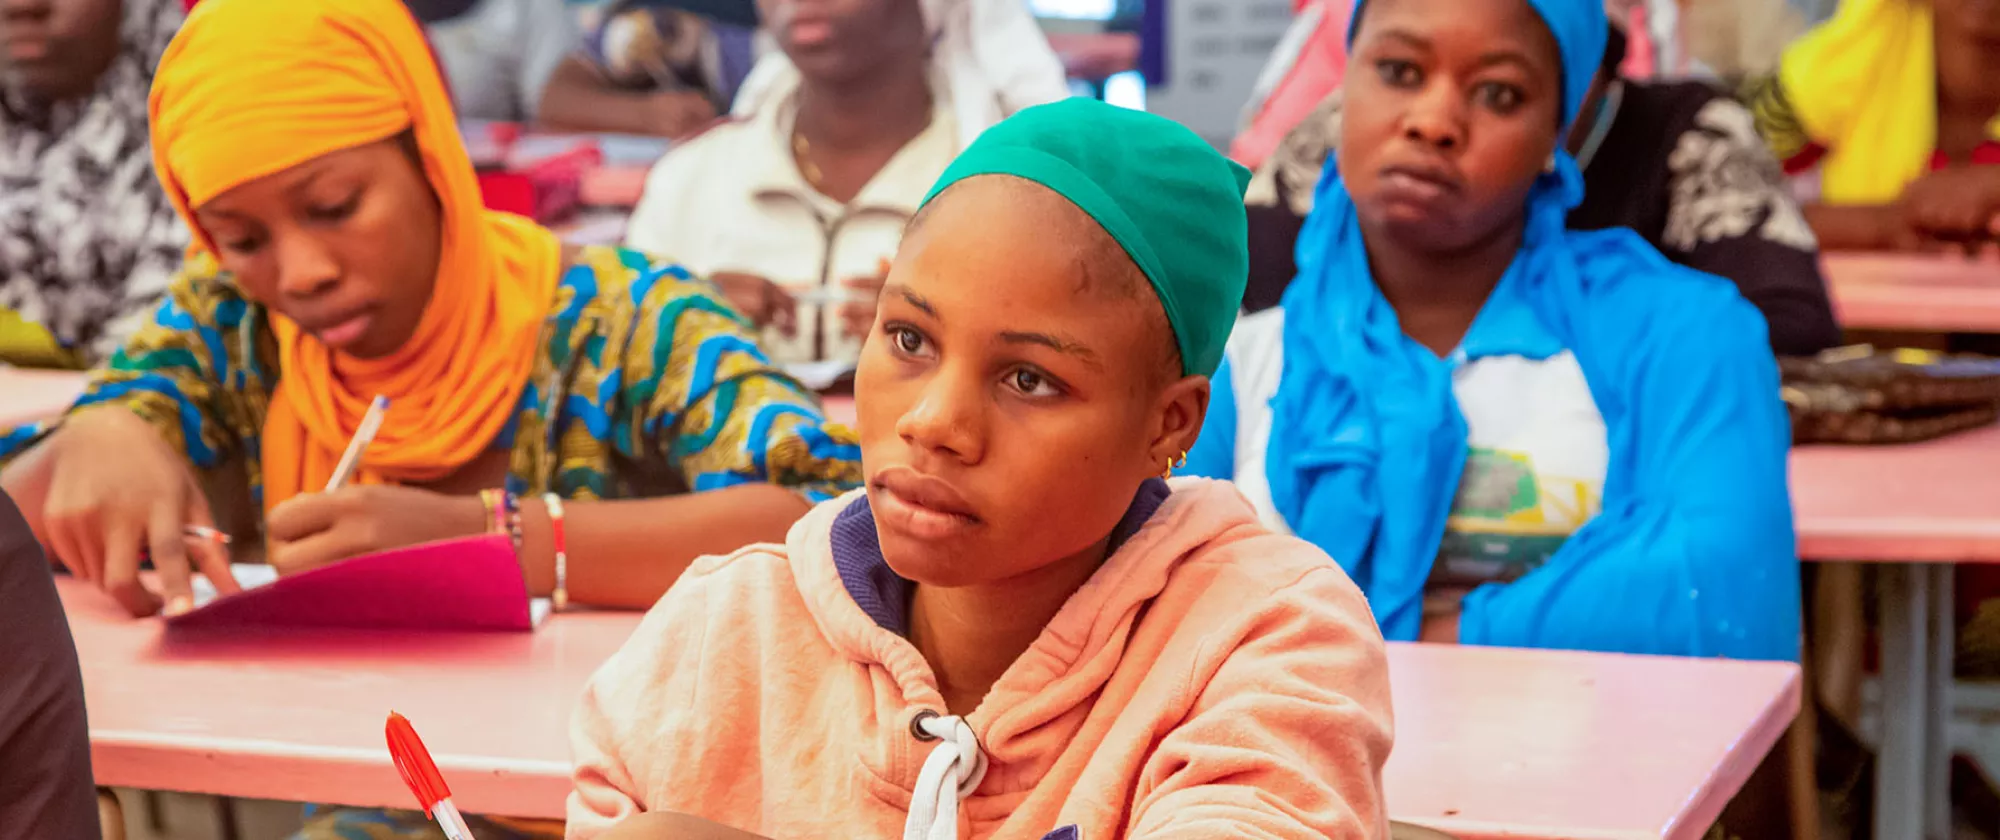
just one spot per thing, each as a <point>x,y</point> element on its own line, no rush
<point>1957,204</point>
<point>1952,209</point>
<point>103,488</point>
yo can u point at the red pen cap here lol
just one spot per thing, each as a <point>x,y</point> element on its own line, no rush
<point>414,762</point>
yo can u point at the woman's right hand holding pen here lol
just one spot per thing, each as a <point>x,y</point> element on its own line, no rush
<point>318,529</point>
<point>104,490</point>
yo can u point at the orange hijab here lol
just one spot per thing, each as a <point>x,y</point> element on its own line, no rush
<point>253,87</point>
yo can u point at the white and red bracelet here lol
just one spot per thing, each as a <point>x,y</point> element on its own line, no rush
<point>559,598</point>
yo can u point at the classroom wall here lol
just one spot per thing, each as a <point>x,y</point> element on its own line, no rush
<point>1214,51</point>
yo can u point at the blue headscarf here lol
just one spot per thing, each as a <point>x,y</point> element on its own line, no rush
<point>1580,28</point>
<point>1368,446</point>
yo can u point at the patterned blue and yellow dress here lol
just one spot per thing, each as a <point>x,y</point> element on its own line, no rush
<point>646,384</point>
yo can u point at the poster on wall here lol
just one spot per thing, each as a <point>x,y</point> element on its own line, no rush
<point>1214,51</point>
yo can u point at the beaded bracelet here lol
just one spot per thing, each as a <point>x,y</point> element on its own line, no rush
<point>503,515</point>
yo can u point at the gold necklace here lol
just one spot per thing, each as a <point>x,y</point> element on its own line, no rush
<point>802,155</point>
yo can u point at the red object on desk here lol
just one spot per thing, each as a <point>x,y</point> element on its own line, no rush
<point>544,183</point>
<point>509,192</point>
<point>414,763</point>
<point>546,190</point>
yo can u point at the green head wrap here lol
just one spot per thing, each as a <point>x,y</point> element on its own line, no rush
<point>1170,200</point>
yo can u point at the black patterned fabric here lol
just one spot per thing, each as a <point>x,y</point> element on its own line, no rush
<point>87,240</point>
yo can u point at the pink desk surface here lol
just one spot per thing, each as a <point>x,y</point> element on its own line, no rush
<point>1096,55</point>
<point>613,186</point>
<point>1908,292</point>
<point>1493,742</point>
<point>839,409</point>
<point>1934,502</point>
<point>298,715</point>
<point>29,396</point>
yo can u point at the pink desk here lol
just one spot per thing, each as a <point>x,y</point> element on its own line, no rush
<point>298,716</point>
<point>1096,55</point>
<point>613,186</point>
<point>595,227</point>
<point>839,409</point>
<point>31,396</point>
<point>1917,509</point>
<point>1492,742</point>
<point>1908,292</point>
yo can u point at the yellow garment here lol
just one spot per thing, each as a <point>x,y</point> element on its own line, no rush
<point>1864,86</point>
<point>28,344</point>
<point>250,88</point>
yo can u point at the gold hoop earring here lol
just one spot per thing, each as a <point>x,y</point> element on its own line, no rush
<point>1174,463</point>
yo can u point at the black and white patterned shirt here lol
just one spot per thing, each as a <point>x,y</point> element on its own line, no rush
<point>87,239</point>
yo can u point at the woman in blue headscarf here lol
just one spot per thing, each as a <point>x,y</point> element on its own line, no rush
<point>1508,433</point>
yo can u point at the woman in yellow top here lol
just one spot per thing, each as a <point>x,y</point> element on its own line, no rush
<point>1897,103</point>
<point>341,252</point>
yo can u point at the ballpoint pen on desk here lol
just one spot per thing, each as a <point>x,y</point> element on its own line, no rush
<point>421,774</point>
<point>363,435</point>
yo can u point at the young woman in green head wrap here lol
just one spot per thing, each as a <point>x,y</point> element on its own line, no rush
<point>1019,630</point>
<point>1508,432</point>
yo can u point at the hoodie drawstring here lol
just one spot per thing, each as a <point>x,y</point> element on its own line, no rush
<point>951,773</point>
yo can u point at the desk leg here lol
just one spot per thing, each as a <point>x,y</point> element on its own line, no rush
<point>1906,663</point>
<point>1942,613</point>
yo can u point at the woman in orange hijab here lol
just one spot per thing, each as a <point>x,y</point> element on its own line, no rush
<point>341,252</point>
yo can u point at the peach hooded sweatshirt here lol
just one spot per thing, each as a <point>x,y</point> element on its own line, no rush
<point>1212,679</point>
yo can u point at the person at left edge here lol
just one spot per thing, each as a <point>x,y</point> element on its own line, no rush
<point>45,780</point>
<point>341,251</point>
<point>87,241</point>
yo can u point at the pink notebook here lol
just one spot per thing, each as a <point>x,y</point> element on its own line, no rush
<point>464,584</point>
